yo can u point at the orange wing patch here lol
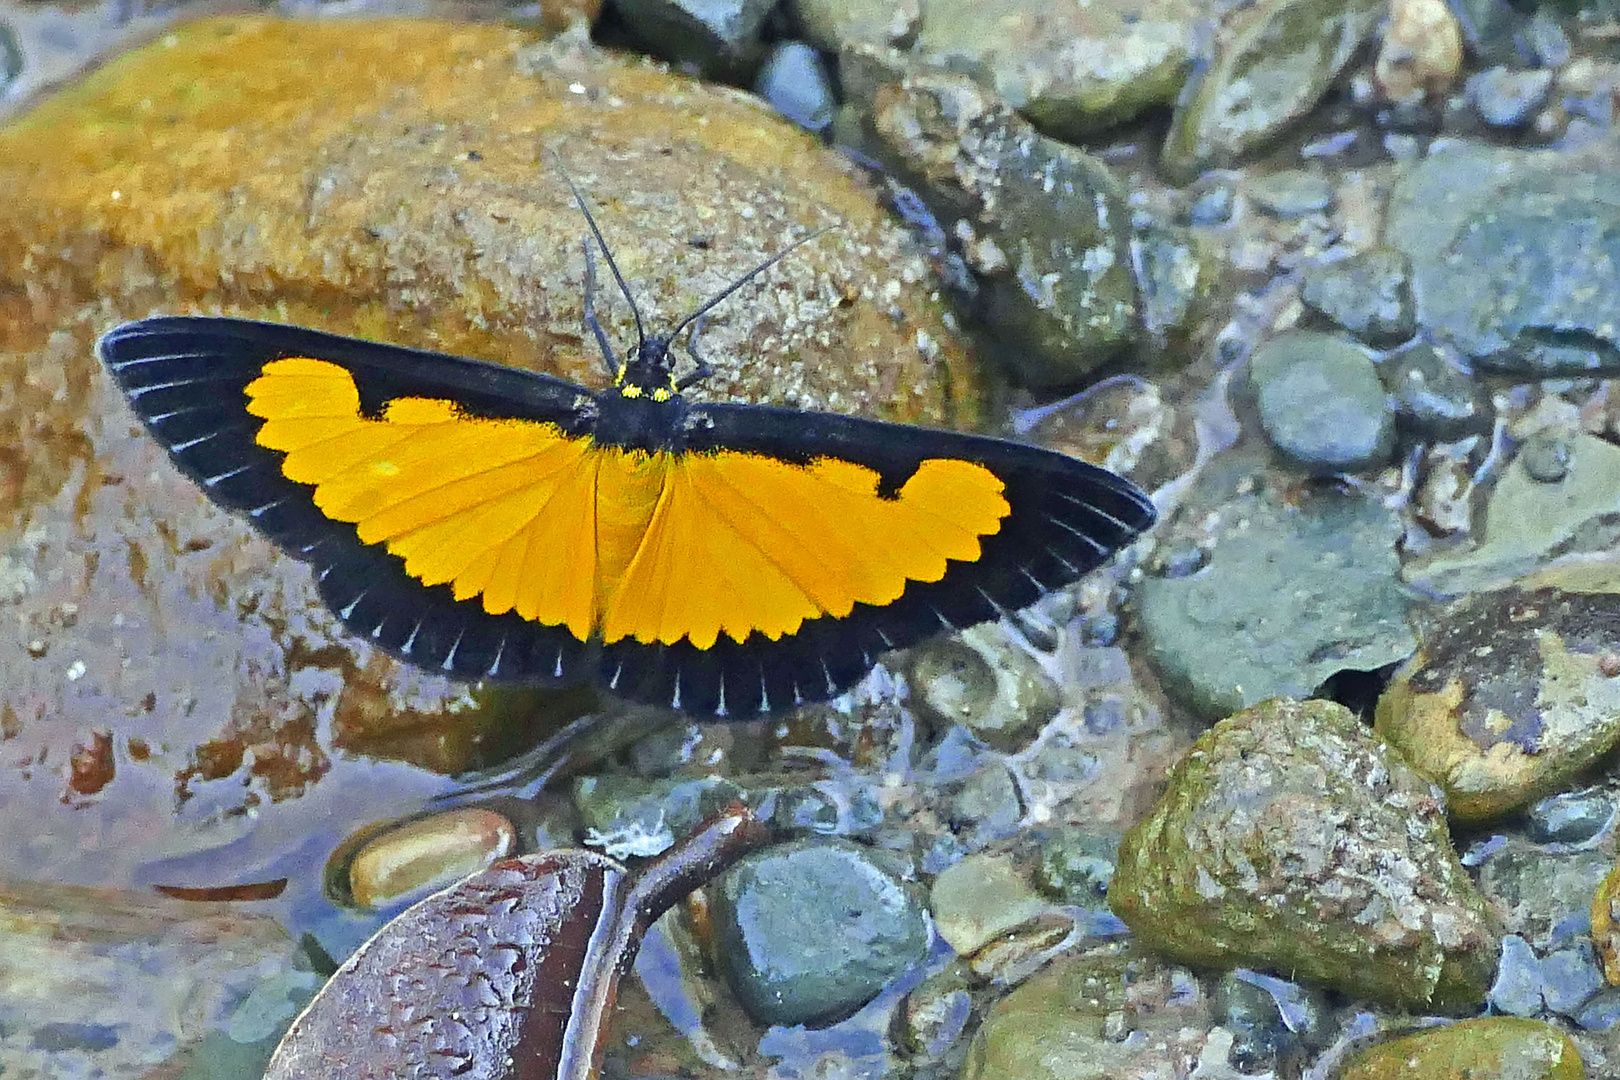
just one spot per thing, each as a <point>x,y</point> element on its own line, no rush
<point>655,547</point>
<point>743,542</point>
<point>498,508</point>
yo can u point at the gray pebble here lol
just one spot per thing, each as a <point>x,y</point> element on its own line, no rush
<point>1601,1011</point>
<point>1321,403</point>
<point>1369,294</point>
<point>1569,977</point>
<point>1517,990</point>
<point>811,931</point>
<point>1505,98</point>
<point>1435,398</point>
<point>794,80</point>
<point>1545,457</point>
<point>1291,194</point>
<point>1573,817</point>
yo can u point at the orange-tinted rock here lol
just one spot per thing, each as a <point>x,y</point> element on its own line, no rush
<point>1606,925</point>
<point>391,179</point>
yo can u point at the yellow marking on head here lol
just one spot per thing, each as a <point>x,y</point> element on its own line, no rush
<point>620,543</point>
<point>631,391</point>
<point>662,394</point>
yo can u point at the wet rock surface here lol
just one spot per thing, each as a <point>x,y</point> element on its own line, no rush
<point>1321,403</point>
<point>217,981</point>
<point>1071,71</point>
<point>1510,698</point>
<point>1290,840</point>
<point>853,928</point>
<point>1497,1046</point>
<point>1537,239</point>
<point>1355,620</point>
<point>1273,64</point>
<point>1043,226</point>
<point>176,711</point>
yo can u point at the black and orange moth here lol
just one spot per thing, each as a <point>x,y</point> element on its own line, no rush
<point>494,523</point>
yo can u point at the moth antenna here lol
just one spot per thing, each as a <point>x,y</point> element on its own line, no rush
<point>579,199</point>
<point>746,278</point>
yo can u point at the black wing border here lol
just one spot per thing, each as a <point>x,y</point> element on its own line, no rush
<point>1066,518</point>
<point>186,376</point>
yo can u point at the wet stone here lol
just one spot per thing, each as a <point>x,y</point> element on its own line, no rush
<point>625,816</point>
<point>1435,398</point>
<point>1212,207</point>
<point>1421,50</point>
<point>1369,294</point>
<point>1043,227</point>
<point>981,898</point>
<point>1543,896</point>
<point>1575,817</point>
<point>1072,70</point>
<point>108,983</point>
<point>11,57</point>
<point>1321,402</point>
<point>810,931</point>
<point>1444,500</point>
<point>935,1013</point>
<point>1505,98</point>
<point>1292,193</point>
<point>794,80</point>
<point>983,680</point>
<point>1547,39</point>
<point>1513,255</point>
<point>428,853</point>
<point>1294,596</point>
<point>1274,1022</point>
<point>1171,278</point>
<point>1569,978</point>
<point>985,807</point>
<point>1605,914</point>
<point>1601,1011</point>
<point>832,24</point>
<point>1276,62</point>
<point>721,38</point>
<point>1517,989</point>
<point>1545,457</point>
<point>1498,1046</point>
<point>1527,522</point>
<point>1291,840</point>
<point>1508,698</point>
<point>1076,867</point>
<point>1096,1017</point>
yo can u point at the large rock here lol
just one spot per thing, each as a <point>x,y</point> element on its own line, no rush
<point>1291,840</point>
<point>392,179</point>
<point>1512,696</point>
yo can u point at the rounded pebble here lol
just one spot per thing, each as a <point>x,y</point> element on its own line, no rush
<point>1435,398</point>
<point>936,1012</point>
<point>1545,457</point>
<point>1569,977</point>
<point>1369,294</point>
<point>1517,990</point>
<point>1572,817</point>
<point>794,80</point>
<point>428,853</point>
<point>1506,98</point>
<point>812,930</point>
<point>986,682</point>
<point>1321,402</point>
<point>980,899</point>
<point>1493,1046</point>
